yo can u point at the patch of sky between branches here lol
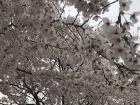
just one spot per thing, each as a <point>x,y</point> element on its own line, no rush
<point>112,14</point>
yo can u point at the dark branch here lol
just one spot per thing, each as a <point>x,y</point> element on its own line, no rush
<point>27,72</point>
<point>108,5</point>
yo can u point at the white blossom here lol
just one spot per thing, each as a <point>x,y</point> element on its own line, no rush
<point>54,59</point>
<point>124,5</point>
<point>134,16</point>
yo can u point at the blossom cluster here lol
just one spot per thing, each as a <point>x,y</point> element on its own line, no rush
<point>60,60</point>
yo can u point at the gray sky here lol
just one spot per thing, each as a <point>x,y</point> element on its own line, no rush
<point>112,14</point>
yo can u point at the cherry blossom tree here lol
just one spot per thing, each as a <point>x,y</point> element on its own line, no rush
<point>49,59</point>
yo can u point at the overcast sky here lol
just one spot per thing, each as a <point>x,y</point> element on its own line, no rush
<point>113,12</point>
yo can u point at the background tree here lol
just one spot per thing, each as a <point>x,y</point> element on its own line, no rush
<point>56,60</point>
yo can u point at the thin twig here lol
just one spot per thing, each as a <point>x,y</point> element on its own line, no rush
<point>108,5</point>
<point>27,72</point>
<point>62,11</point>
<point>76,17</point>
